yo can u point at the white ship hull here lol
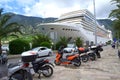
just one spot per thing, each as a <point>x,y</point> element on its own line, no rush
<point>57,30</point>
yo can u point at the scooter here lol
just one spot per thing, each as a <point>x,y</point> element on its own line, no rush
<point>43,66</point>
<point>70,59</point>
<point>39,66</point>
<point>15,71</point>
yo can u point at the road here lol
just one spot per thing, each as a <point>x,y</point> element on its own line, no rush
<point>105,68</point>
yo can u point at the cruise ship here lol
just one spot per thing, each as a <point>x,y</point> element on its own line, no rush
<point>80,23</point>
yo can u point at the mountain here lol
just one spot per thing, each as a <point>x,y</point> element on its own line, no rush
<point>107,23</point>
<point>30,23</point>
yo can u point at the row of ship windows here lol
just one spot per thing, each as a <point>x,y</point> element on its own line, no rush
<point>50,28</point>
<point>64,29</point>
<point>69,29</point>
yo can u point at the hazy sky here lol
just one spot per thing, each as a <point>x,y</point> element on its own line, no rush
<point>54,8</point>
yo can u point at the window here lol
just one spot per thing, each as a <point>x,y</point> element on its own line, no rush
<point>43,49</point>
<point>52,28</point>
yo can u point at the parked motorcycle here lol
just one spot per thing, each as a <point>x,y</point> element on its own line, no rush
<point>95,52</point>
<point>70,59</point>
<point>41,66</point>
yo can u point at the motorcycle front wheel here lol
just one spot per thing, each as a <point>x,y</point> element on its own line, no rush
<point>21,76</point>
<point>47,71</point>
<point>77,62</point>
<point>57,63</point>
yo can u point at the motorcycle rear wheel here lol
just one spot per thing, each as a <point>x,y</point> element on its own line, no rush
<point>21,76</point>
<point>48,71</point>
<point>85,58</point>
<point>92,57</point>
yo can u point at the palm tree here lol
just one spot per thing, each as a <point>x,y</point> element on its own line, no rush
<point>7,28</point>
<point>116,12</point>
<point>116,15</point>
<point>79,42</point>
<point>62,42</point>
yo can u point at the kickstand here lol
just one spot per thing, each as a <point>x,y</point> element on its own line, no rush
<point>39,76</point>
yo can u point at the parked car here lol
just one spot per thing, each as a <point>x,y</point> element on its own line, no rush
<point>70,48</point>
<point>5,48</point>
<point>43,51</point>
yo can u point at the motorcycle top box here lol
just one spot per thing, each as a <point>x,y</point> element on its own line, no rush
<point>93,47</point>
<point>29,56</point>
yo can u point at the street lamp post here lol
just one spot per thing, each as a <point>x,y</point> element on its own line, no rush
<point>95,23</point>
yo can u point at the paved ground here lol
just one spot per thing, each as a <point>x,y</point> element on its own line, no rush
<point>106,68</point>
<point>3,72</point>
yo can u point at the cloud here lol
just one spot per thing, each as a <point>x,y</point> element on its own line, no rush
<point>48,10</point>
<point>24,3</point>
<point>103,8</point>
<point>54,8</point>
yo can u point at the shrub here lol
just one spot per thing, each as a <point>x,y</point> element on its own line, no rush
<point>46,44</point>
<point>39,38</point>
<point>58,44</point>
<point>18,46</point>
<point>79,42</point>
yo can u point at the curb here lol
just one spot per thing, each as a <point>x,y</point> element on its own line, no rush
<point>19,55</point>
<point>13,56</point>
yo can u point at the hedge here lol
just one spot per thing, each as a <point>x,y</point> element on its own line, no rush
<point>18,46</point>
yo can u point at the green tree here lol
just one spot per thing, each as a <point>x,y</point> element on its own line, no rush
<point>116,15</point>
<point>79,42</point>
<point>46,44</point>
<point>7,28</point>
<point>62,42</point>
<point>39,38</point>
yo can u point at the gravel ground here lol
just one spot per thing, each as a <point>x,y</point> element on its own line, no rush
<point>105,68</point>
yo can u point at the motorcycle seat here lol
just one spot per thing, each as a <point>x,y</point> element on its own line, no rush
<point>64,60</point>
<point>69,55</point>
<point>11,65</point>
<point>37,61</point>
